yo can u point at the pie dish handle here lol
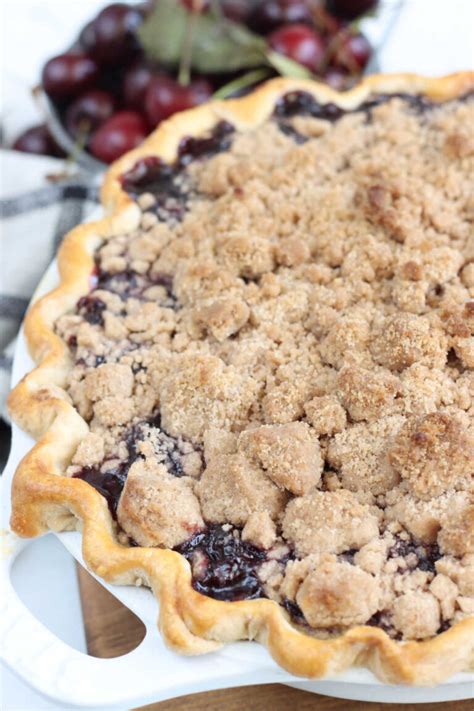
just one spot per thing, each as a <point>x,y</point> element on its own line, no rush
<point>149,673</point>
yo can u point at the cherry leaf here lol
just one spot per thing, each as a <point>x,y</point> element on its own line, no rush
<point>287,67</point>
<point>218,44</point>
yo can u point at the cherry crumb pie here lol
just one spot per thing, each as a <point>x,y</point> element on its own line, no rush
<point>256,382</point>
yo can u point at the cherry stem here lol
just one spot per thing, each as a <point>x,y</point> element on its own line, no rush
<point>334,44</point>
<point>83,134</point>
<point>184,73</point>
<point>242,82</point>
<point>285,66</point>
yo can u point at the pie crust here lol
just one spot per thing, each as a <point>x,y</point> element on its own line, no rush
<point>190,622</point>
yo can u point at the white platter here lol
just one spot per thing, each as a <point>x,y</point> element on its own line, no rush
<point>151,672</point>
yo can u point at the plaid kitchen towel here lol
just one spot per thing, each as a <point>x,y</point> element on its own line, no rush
<point>36,213</point>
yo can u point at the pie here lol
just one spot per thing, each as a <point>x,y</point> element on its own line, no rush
<point>255,390</point>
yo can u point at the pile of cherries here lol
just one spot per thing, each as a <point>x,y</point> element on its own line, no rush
<point>109,96</point>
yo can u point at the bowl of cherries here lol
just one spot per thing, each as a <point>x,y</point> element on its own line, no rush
<point>135,65</point>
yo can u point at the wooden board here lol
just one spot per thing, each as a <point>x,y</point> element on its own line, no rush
<point>111,630</point>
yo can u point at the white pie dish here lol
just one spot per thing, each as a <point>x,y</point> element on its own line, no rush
<point>70,677</point>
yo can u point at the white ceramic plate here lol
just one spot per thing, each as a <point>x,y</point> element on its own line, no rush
<point>151,672</point>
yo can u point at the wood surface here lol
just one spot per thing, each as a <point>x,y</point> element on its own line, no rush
<point>112,630</point>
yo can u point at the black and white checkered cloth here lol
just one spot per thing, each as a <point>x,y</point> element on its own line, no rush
<point>36,214</point>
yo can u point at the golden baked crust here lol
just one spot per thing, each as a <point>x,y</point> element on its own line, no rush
<point>190,622</point>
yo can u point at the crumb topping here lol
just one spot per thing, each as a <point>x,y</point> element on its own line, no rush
<point>276,364</point>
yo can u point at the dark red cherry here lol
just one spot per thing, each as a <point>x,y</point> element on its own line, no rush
<point>336,78</point>
<point>270,14</point>
<point>353,52</point>
<point>165,97</point>
<point>38,140</point>
<point>122,132</point>
<point>135,84</point>
<point>87,39</point>
<point>237,10</point>
<point>300,43</point>
<point>114,30</point>
<point>69,75</point>
<point>89,111</point>
<point>196,5</point>
<point>350,9</point>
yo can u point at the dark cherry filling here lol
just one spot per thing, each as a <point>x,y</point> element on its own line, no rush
<point>426,554</point>
<point>168,183</point>
<point>301,103</point>
<point>169,451</point>
<point>294,611</point>
<point>110,482</point>
<point>148,175</point>
<point>91,309</point>
<point>220,140</point>
<point>348,556</point>
<point>224,566</point>
<point>383,620</point>
<point>129,284</point>
<point>164,181</point>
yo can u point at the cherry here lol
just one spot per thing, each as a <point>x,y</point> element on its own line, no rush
<point>89,111</point>
<point>119,134</point>
<point>87,39</point>
<point>165,97</point>
<point>114,31</point>
<point>196,5</point>
<point>336,78</point>
<point>38,140</point>
<point>300,43</point>
<point>237,10</point>
<point>353,52</point>
<point>271,14</point>
<point>349,9</point>
<point>135,84</point>
<point>69,75</point>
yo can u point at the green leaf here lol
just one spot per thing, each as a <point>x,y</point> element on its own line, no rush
<point>243,82</point>
<point>287,67</point>
<point>218,45</point>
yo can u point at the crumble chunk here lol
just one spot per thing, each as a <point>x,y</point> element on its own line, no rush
<point>217,441</point>
<point>260,530</point>
<point>346,339</point>
<point>457,532</point>
<point>157,509</point>
<point>231,488</point>
<point>446,592</point>
<point>114,410</point>
<point>460,571</point>
<point>416,615</point>
<point>373,555</point>
<point>325,414</point>
<point>222,318</point>
<point>366,394</point>
<point>204,392</point>
<point>288,454</point>
<point>333,521</point>
<point>404,339</point>
<point>433,454</point>
<point>109,380</point>
<point>423,518</point>
<point>359,454</point>
<point>246,255</point>
<point>90,451</point>
<point>338,594</point>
